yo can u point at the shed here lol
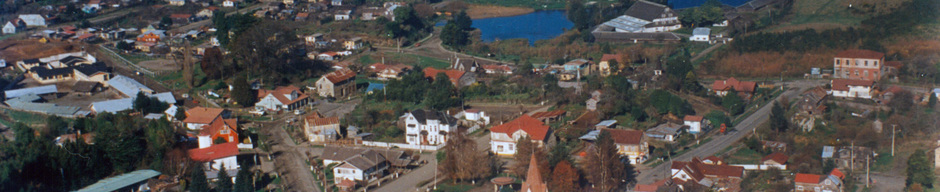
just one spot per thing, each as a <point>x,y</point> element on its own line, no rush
<point>121,181</point>
<point>86,87</point>
<point>32,90</point>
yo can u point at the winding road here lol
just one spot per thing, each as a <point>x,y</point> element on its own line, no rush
<point>432,47</point>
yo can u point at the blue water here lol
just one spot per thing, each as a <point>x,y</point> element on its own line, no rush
<point>533,26</point>
<point>681,4</point>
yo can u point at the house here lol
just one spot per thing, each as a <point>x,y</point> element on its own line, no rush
<point>859,64</point>
<point>503,137</point>
<point>474,116</point>
<point>321,129</point>
<point>715,176</point>
<point>328,56</point>
<point>312,39</point>
<point>177,2</point>
<point>497,69</point>
<point>819,183</point>
<point>93,5</point>
<point>423,127</point>
<point>549,116</point>
<point>75,66</point>
<point>281,98</point>
<point>533,181</point>
<point>645,17</point>
<point>336,2</point>
<point>301,16</point>
<point>207,12</point>
<point>457,77</point>
<point>852,88</point>
<point>701,34</point>
<point>721,87</point>
<point>13,26</point>
<point>151,36</point>
<point>465,65</point>
<point>138,179</point>
<point>630,143</point>
<point>591,103</point>
<point>666,132</point>
<point>775,159</point>
<point>580,66</point>
<point>88,138</point>
<point>216,156</point>
<point>181,19</point>
<point>198,117</point>
<point>337,84</point>
<point>218,130</point>
<point>604,68</point>
<point>393,71</point>
<point>33,20</point>
<point>362,164</point>
<point>353,44</point>
<point>694,122</point>
<point>342,15</point>
<point>228,3</point>
<point>812,102</point>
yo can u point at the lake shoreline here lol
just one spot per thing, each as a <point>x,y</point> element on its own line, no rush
<point>493,11</point>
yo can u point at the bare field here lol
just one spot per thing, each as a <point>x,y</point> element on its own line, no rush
<point>15,50</point>
<point>160,65</point>
<point>489,11</point>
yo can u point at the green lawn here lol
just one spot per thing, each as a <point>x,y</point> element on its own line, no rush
<point>407,59</point>
<point>26,117</point>
<point>744,156</point>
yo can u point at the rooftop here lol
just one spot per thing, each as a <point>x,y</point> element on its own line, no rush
<point>533,127</point>
<point>861,53</point>
<point>120,181</point>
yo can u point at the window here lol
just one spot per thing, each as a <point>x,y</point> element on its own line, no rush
<point>837,62</point>
<point>799,188</point>
<point>499,148</point>
<point>866,73</point>
<point>866,63</point>
<point>224,131</point>
<point>876,63</point>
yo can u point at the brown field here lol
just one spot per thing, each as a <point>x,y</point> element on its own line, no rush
<point>488,11</point>
<point>160,65</point>
<point>15,50</point>
<point>763,64</point>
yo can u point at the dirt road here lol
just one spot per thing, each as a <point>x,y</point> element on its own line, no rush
<point>432,47</point>
<point>288,161</point>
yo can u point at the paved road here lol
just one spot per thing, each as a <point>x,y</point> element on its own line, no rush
<point>720,142</point>
<point>409,181</point>
<point>432,48</point>
<point>289,162</point>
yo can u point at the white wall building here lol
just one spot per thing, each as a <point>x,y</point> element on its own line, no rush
<point>428,127</point>
<point>503,137</point>
<point>701,34</point>
<point>851,88</point>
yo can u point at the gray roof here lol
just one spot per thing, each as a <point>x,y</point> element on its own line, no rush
<point>33,19</point>
<point>607,123</point>
<point>32,90</point>
<point>626,23</point>
<point>591,136</point>
<point>127,85</point>
<point>665,129</point>
<point>153,116</point>
<point>113,106</point>
<point>26,103</point>
<point>166,97</point>
<point>702,31</point>
<point>349,154</point>
<point>121,181</point>
<point>423,115</point>
<point>648,10</point>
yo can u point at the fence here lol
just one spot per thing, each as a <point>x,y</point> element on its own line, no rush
<point>401,145</point>
<point>125,61</point>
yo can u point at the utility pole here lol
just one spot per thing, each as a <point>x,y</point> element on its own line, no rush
<point>867,171</point>
<point>852,152</point>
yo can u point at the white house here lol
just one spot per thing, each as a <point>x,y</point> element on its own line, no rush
<point>694,122</point>
<point>424,127</point>
<point>336,2</point>
<point>342,15</point>
<point>852,88</point>
<point>666,132</point>
<point>700,34</point>
<point>474,115</point>
<point>281,98</point>
<point>327,56</point>
<point>217,155</point>
<point>503,137</point>
<point>177,2</point>
<point>228,3</point>
<point>10,27</point>
<point>362,164</point>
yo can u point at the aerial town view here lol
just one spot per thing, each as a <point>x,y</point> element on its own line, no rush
<point>470,95</point>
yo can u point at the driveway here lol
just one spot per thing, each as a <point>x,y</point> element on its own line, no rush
<point>289,162</point>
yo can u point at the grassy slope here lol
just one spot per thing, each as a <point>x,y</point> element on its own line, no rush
<point>829,14</point>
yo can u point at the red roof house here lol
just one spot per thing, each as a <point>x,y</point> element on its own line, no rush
<point>214,152</point>
<point>504,136</point>
<point>453,75</point>
<point>287,97</point>
<point>777,158</point>
<point>721,87</point>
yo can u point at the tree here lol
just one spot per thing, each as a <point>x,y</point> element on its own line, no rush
<point>242,93</point>
<point>165,22</point>
<point>123,45</point>
<point>180,114</point>
<point>525,147</point>
<point>919,169</point>
<point>564,177</point>
<point>452,35</point>
<point>463,161</point>
<point>604,167</point>
<point>224,182</point>
<point>778,118</point>
<point>212,63</point>
<point>932,101</point>
<point>733,103</point>
<point>442,94</point>
<point>902,101</point>
<point>197,179</point>
<point>463,21</point>
<point>243,181</point>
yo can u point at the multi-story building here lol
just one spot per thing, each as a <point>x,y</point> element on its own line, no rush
<point>424,127</point>
<point>858,64</point>
<point>503,137</point>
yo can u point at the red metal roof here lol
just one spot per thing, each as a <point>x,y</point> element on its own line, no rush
<point>218,125</point>
<point>837,173</point>
<point>861,53</point>
<point>545,114</point>
<point>180,16</point>
<point>629,137</point>
<point>454,75</point>
<point>340,75</point>
<point>807,178</point>
<point>316,120</point>
<point>776,157</point>
<point>535,128</point>
<point>202,115</point>
<point>279,93</point>
<point>695,118</point>
<point>732,83</point>
<point>214,152</point>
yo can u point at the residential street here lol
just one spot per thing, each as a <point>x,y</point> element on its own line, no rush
<point>288,161</point>
<point>720,142</point>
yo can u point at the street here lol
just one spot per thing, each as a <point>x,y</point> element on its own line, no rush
<point>720,142</point>
<point>288,161</point>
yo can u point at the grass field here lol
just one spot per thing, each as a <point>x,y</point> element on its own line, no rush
<point>829,14</point>
<point>744,156</point>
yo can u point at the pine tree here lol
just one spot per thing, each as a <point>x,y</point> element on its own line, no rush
<point>224,182</point>
<point>180,114</point>
<point>243,181</point>
<point>242,93</point>
<point>919,170</point>
<point>197,179</point>
<point>778,118</point>
<point>564,177</point>
<point>604,167</point>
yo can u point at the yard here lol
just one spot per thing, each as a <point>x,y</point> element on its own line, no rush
<point>407,59</point>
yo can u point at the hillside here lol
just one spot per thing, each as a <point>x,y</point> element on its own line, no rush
<point>831,14</point>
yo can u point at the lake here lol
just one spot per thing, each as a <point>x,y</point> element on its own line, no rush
<point>681,4</point>
<point>533,26</point>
